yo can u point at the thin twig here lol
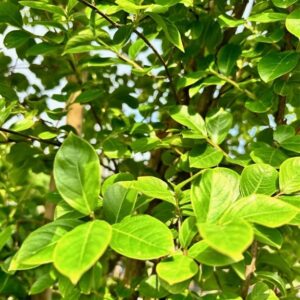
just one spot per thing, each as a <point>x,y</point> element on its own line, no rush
<point>30,137</point>
<point>142,36</point>
<point>250,269</point>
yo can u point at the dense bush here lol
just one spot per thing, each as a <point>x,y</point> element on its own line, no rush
<point>150,149</point>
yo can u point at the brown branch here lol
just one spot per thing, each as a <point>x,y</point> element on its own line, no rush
<point>142,36</point>
<point>250,269</point>
<point>279,116</point>
<point>29,137</point>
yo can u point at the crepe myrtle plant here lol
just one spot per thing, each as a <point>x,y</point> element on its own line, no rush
<point>150,149</point>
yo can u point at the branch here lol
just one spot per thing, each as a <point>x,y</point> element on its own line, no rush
<point>250,269</point>
<point>142,36</point>
<point>29,137</point>
<point>279,116</point>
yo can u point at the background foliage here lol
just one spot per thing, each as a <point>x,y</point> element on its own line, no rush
<point>185,181</point>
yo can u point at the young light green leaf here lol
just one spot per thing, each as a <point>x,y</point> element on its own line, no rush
<point>44,6</point>
<point>77,174</point>
<point>267,17</point>
<point>292,22</point>
<point>259,179</point>
<point>205,156</point>
<point>176,269</point>
<point>231,238</point>
<point>80,249</point>
<point>276,64</point>
<point>206,255</point>
<point>155,188</point>
<point>263,210</point>
<point>185,116</point>
<point>187,232</point>
<point>171,31</point>
<point>38,247</point>
<point>119,201</point>
<point>218,125</point>
<point>142,237</point>
<point>289,176</point>
<point>213,193</point>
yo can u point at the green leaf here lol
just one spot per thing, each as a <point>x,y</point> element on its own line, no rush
<point>10,13</point>
<point>230,239</point>
<point>267,17</point>
<point>42,49</point>
<point>213,193</point>
<point>185,116</point>
<point>274,279</point>
<point>292,22</point>
<point>119,201</point>
<point>187,232</point>
<point>5,235</point>
<point>283,3</point>
<point>289,176</point>
<point>218,125</point>
<point>16,38</point>
<point>292,144</point>
<point>89,96</point>
<point>261,209</point>
<point>142,237</point>
<point>205,156</point>
<point>38,247</point>
<point>227,58</point>
<point>176,269</point>
<point>77,174</point>
<point>261,291</point>
<point>42,283</point>
<point>268,155</point>
<point>206,255</point>
<point>259,179</point>
<point>80,249</point>
<point>283,132</point>
<point>268,236</point>
<point>115,178</point>
<point>276,64</point>
<point>44,6</point>
<point>151,287</point>
<point>90,281</point>
<point>155,188</point>
<point>171,31</point>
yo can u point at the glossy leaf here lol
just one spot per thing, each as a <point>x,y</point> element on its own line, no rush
<point>218,125</point>
<point>187,231</point>
<point>289,176</point>
<point>89,241</point>
<point>276,64</point>
<point>292,22</point>
<point>171,31</point>
<point>77,174</point>
<point>39,246</point>
<point>261,209</point>
<point>204,254</point>
<point>142,237</point>
<point>205,156</point>
<point>155,188</point>
<point>176,269</point>
<point>231,238</point>
<point>213,193</point>
<point>259,179</point>
<point>119,201</point>
<point>185,116</point>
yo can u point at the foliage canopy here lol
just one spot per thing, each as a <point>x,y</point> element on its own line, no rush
<point>150,149</point>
